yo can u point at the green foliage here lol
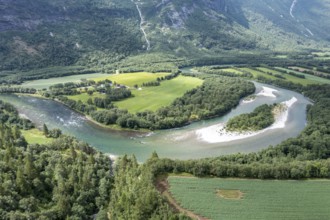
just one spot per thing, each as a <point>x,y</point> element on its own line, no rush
<point>65,179</point>
<point>214,98</point>
<point>261,117</point>
<point>65,34</point>
<point>134,195</point>
<point>10,116</point>
<point>306,156</point>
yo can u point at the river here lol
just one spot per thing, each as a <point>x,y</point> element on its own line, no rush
<point>181,143</point>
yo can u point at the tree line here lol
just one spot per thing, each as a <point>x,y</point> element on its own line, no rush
<point>68,179</point>
<point>306,156</point>
<point>261,117</point>
<point>214,98</point>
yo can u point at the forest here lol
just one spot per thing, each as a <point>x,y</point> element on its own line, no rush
<point>261,117</point>
<point>68,179</point>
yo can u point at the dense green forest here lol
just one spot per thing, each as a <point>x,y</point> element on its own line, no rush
<point>261,117</point>
<point>68,179</point>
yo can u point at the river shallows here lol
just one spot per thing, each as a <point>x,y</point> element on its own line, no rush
<point>181,143</point>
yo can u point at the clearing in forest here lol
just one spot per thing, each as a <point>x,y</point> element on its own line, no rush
<point>131,79</point>
<point>152,98</point>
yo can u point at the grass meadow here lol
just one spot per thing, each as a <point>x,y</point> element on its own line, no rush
<point>244,199</point>
<point>46,83</point>
<point>256,73</point>
<point>152,98</point>
<point>131,79</point>
<point>35,136</point>
<point>291,78</point>
<point>311,78</point>
<point>232,70</point>
<point>146,98</point>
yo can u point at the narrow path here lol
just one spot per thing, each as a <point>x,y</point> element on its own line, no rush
<point>163,187</point>
<point>142,21</point>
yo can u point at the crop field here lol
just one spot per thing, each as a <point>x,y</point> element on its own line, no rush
<point>322,55</point>
<point>152,98</point>
<point>35,136</point>
<point>244,199</point>
<point>289,77</point>
<point>310,78</point>
<point>258,73</point>
<point>232,70</point>
<point>131,79</point>
<point>46,83</point>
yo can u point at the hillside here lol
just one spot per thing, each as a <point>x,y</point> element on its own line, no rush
<point>45,33</point>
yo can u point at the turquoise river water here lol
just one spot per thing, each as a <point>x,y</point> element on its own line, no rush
<point>181,143</point>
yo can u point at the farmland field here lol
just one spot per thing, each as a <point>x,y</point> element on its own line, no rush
<point>256,73</point>
<point>232,70</point>
<point>45,83</point>
<point>253,199</point>
<point>314,79</point>
<point>131,79</point>
<point>146,98</point>
<point>291,78</point>
<point>152,98</point>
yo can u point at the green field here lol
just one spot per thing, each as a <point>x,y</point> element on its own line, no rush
<point>152,98</point>
<point>310,78</point>
<point>131,79</point>
<point>256,199</point>
<point>290,78</point>
<point>35,136</point>
<point>232,70</point>
<point>84,96</point>
<point>256,73</point>
<point>45,83</point>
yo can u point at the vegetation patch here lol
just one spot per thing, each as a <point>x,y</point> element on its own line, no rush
<point>268,199</point>
<point>153,98</point>
<point>46,83</point>
<point>35,136</point>
<point>262,117</point>
<point>287,76</point>
<point>257,73</point>
<point>230,194</point>
<point>311,78</point>
<point>131,79</point>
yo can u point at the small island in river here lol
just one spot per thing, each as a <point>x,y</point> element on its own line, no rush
<point>261,118</point>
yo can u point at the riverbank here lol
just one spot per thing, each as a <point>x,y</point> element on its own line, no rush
<point>87,117</point>
<point>218,133</point>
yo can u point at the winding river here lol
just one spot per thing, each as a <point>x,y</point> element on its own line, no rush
<point>181,143</point>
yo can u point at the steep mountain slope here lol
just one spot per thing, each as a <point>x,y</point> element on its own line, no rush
<point>282,25</point>
<point>38,33</point>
